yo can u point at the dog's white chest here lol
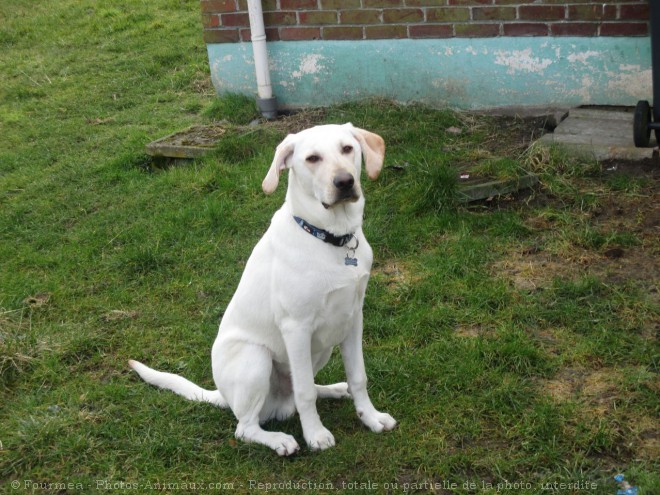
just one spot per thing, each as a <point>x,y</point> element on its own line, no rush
<point>338,312</point>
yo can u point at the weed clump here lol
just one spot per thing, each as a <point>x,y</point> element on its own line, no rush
<point>558,169</point>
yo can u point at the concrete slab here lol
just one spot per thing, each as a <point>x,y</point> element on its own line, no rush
<point>194,142</point>
<point>602,133</point>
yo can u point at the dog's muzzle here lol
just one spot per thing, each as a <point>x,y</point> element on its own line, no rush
<point>345,189</point>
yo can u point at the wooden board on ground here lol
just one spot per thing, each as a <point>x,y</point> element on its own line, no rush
<point>489,188</point>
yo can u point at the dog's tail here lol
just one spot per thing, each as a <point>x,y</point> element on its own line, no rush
<point>178,385</point>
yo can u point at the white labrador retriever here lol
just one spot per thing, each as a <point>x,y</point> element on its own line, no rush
<point>300,295</point>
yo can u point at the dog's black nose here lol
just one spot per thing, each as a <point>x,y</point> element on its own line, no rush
<point>343,181</point>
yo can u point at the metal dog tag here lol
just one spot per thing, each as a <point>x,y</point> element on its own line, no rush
<point>348,261</point>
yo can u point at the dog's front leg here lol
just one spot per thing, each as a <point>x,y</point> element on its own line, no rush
<point>299,349</point>
<point>351,351</point>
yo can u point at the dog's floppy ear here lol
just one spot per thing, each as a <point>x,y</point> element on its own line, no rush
<point>373,150</point>
<point>283,151</point>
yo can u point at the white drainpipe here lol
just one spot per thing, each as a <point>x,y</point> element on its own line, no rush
<point>266,102</point>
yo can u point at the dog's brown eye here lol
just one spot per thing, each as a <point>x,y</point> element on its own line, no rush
<point>313,158</point>
<point>347,149</point>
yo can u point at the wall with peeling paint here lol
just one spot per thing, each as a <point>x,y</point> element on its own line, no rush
<point>458,72</point>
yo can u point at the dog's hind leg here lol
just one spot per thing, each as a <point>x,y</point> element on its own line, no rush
<point>243,374</point>
<point>334,391</point>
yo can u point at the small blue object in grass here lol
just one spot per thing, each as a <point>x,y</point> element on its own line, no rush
<point>624,486</point>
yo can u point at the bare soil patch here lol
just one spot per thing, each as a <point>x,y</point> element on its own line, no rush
<point>633,213</point>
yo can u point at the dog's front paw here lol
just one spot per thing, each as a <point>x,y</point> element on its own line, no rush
<point>286,445</point>
<point>377,421</point>
<point>320,440</point>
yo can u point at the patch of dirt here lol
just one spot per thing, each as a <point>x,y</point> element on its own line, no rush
<point>517,134</point>
<point>640,216</point>
<point>597,392</point>
<point>600,389</point>
<point>474,330</point>
<point>647,168</point>
<point>528,273</point>
<point>529,269</point>
<point>396,273</point>
<point>562,387</point>
<point>38,300</point>
<point>634,214</point>
<point>469,331</point>
<point>648,438</point>
<point>506,135</point>
<point>297,121</point>
<point>118,314</point>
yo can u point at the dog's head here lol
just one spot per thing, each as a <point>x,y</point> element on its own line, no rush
<point>326,161</point>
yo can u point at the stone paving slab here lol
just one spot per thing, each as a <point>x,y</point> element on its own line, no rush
<point>600,133</point>
<point>194,142</point>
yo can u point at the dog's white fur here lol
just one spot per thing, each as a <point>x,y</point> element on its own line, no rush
<point>297,299</point>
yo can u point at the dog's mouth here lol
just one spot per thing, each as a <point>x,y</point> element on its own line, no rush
<point>345,198</point>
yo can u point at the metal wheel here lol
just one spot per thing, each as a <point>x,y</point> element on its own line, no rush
<point>641,130</point>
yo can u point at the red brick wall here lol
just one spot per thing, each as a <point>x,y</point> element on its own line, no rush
<point>227,20</point>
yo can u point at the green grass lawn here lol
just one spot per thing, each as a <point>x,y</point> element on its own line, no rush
<point>514,340</point>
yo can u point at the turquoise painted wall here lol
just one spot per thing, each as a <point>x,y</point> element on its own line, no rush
<point>458,72</point>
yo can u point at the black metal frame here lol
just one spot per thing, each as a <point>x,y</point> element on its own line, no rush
<point>655,61</point>
<point>646,118</point>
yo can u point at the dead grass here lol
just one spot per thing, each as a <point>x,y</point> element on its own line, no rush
<point>397,273</point>
<point>119,314</point>
<point>648,438</point>
<point>19,348</point>
<point>297,121</point>
<point>616,241</point>
<point>598,395</point>
<point>472,331</point>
